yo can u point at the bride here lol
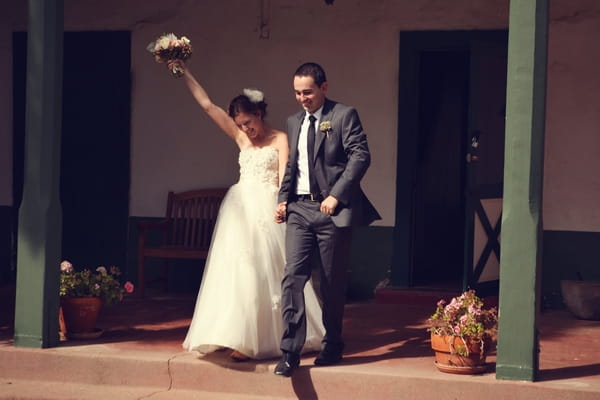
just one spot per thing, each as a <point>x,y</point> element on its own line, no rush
<point>238,305</point>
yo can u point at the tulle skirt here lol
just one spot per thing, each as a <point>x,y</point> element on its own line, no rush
<point>239,301</point>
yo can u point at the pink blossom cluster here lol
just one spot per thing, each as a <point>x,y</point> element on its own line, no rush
<point>128,286</point>
<point>66,266</point>
<point>463,316</point>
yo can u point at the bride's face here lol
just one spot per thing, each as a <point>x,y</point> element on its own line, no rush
<point>251,124</point>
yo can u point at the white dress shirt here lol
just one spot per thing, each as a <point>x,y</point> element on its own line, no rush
<point>303,184</point>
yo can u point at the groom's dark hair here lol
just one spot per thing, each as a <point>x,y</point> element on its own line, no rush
<point>313,70</point>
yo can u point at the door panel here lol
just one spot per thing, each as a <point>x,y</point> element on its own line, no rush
<point>439,197</point>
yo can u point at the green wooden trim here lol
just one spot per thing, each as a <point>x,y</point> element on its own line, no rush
<point>401,270</point>
<point>523,169</point>
<point>38,257</point>
<point>370,258</point>
<point>568,255</point>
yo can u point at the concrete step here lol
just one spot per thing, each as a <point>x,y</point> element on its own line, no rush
<point>49,390</point>
<point>94,372</point>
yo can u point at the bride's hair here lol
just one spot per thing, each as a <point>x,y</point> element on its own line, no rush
<point>251,102</point>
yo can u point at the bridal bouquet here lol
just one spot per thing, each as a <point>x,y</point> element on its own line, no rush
<point>169,47</point>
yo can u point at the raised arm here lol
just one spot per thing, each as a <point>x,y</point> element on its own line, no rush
<point>281,144</point>
<point>216,113</point>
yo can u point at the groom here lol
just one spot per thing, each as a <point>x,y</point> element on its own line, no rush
<point>321,200</point>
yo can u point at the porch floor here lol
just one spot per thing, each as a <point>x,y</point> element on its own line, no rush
<point>139,355</point>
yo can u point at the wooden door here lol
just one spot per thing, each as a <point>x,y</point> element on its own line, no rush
<point>452,88</point>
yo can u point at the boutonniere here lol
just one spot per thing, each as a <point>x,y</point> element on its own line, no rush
<point>325,127</point>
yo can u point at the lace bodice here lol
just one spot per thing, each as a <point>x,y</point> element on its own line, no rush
<point>259,165</point>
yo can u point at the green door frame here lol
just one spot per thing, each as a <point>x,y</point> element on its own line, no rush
<point>411,44</point>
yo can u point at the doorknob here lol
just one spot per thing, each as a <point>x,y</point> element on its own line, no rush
<point>471,155</point>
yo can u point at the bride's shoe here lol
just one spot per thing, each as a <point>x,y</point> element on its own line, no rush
<point>237,356</point>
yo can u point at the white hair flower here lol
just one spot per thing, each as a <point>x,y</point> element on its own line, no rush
<point>254,95</point>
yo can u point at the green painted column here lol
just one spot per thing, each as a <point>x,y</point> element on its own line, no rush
<point>522,209</point>
<point>40,231</point>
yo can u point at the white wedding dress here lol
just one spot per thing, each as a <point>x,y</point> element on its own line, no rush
<point>238,305</point>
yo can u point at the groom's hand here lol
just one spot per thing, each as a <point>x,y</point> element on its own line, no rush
<point>280,212</point>
<point>329,205</point>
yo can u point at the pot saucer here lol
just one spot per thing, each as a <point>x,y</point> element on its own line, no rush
<point>452,369</point>
<point>96,333</point>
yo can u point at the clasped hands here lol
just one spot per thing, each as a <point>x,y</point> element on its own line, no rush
<point>327,207</point>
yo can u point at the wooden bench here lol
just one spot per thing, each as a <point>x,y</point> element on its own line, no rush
<point>186,230</point>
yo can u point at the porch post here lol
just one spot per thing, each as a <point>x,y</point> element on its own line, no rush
<point>523,170</point>
<point>39,240</point>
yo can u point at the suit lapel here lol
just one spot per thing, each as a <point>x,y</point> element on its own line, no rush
<point>295,136</point>
<point>326,115</point>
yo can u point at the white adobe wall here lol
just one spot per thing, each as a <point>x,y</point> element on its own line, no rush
<point>357,42</point>
<point>572,157</point>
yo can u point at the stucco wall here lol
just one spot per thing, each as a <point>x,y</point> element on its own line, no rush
<point>174,145</point>
<point>356,41</point>
<point>571,178</point>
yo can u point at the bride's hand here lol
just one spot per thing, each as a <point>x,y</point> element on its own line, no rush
<point>280,212</point>
<point>176,64</point>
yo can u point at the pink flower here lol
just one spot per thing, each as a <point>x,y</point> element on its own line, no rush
<point>128,287</point>
<point>474,310</point>
<point>66,266</point>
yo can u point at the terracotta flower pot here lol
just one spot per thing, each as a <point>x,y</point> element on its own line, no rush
<point>78,316</point>
<point>448,360</point>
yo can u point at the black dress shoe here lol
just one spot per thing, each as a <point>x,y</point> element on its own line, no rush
<point>288,363</point>
<point>329,356</point>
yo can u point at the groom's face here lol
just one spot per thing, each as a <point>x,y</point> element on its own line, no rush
<point>310,96</point>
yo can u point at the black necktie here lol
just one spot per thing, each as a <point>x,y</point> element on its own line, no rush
<point>310,147</point>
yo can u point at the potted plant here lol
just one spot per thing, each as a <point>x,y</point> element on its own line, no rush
<point>83,293</point>
<point>462,334</point>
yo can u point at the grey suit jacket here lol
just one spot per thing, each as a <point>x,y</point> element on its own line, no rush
<point>341,160</point>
